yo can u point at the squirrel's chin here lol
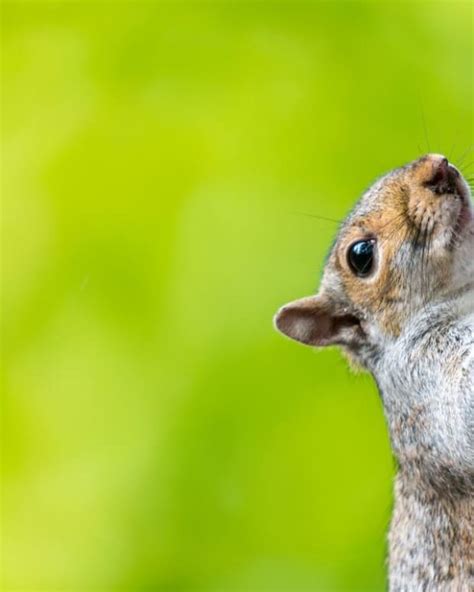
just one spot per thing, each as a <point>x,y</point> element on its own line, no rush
<point>466,216</point>
<point>463,227</point>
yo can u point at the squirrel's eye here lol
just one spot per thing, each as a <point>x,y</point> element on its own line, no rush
<point>361,257</point>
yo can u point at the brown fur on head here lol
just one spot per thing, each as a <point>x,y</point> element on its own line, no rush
<point>411,229</point>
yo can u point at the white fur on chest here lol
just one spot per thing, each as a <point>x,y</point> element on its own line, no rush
<point>426,378</point>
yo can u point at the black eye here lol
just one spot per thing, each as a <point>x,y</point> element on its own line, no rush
<point>361,257</point>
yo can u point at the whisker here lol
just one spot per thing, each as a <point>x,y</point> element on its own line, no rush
<point>423,120</point>
<point>464,154</point>
<point>324,218</point>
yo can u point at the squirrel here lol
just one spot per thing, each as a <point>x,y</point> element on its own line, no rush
<point>397,295</point>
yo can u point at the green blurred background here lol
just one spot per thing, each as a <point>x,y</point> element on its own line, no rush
<point>160,166</point>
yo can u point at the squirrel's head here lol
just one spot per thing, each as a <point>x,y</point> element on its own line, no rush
<point>408,242</point>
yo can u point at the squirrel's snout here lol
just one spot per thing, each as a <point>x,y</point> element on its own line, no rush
<point>439,175</point>
<point>439,195</point>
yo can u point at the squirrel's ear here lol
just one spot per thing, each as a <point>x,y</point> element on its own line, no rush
<point>314,321</point>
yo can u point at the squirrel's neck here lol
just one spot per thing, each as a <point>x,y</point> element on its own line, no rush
<point>431,540</point>
<point>426,381</point>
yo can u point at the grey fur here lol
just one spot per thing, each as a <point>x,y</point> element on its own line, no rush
<point>426,381</point>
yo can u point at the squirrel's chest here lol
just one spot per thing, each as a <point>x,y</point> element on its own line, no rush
<point>428,396</point>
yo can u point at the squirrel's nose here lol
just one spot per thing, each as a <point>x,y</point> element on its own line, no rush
<point>441,171</point>
<point>441,175</point>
